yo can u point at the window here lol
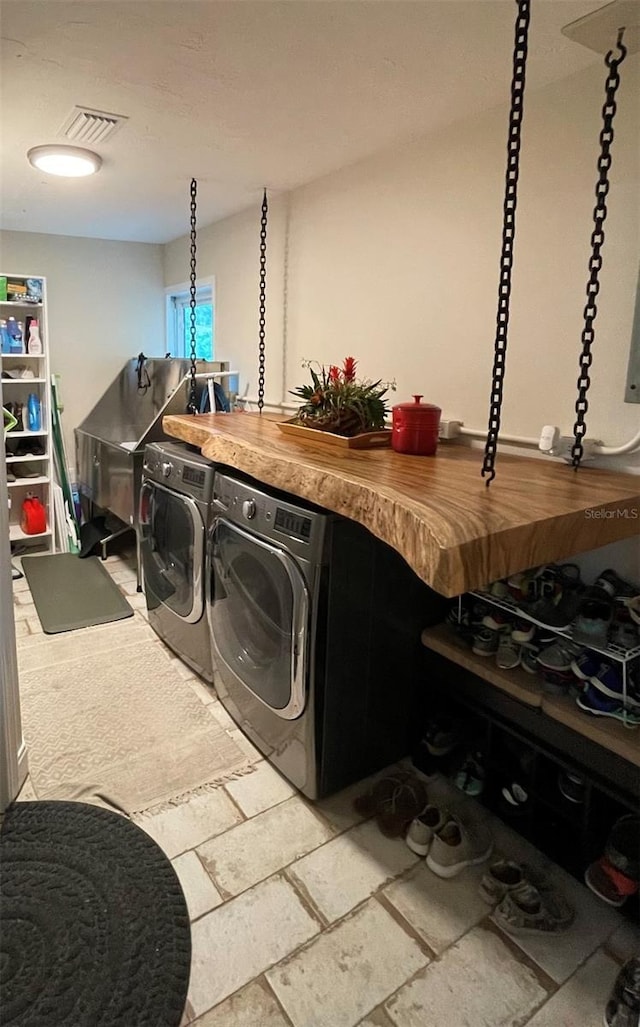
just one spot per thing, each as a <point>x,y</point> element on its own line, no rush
<point>179,322</point>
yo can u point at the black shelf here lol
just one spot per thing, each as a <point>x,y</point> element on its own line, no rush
<point>507,730</point>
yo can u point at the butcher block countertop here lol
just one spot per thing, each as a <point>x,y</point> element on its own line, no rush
<point>437,512</point>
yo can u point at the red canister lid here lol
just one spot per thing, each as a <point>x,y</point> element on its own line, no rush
<point>417,411</point>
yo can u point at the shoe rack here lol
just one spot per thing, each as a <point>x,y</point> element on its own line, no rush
<point>528,689</point>
<point>28,454</point>
<point>520,741</point>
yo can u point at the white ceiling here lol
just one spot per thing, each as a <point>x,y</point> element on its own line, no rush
<point>243,94</point>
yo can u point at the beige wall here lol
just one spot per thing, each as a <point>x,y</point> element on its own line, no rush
<point>395,261</point>
<point>105,305</point>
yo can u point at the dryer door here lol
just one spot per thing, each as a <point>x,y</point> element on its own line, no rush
<point>259,616</point>
<point>172,545</point>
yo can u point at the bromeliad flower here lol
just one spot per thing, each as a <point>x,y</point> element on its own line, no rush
<point>349,369</point>
<point>335,401</point>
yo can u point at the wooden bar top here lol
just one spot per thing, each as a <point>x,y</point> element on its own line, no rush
<point>437,512</point>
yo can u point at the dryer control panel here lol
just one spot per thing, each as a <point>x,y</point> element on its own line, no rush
<point>289,524</point>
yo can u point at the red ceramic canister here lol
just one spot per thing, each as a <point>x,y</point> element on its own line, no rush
<point>415,427</point>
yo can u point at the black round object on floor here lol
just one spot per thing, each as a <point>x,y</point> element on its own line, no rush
<point>95,929</point>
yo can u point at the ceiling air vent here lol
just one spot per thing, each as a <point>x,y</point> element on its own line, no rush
<point>88,126</point>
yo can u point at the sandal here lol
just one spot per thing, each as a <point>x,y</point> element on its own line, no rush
<point>525,910</point>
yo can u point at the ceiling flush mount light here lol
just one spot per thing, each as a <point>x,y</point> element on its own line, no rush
<point>66,161</point>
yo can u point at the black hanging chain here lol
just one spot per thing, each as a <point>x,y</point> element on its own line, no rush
<point>597,241</point>
<point>508,233</point>
<point>192,407</point>
<point>263,299</point>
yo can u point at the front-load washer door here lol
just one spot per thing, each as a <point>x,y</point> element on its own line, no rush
<point>172,536</point>
<point>259,615</point>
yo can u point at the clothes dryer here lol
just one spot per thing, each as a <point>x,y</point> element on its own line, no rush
<point>175,513</point>
<point>315,628</point>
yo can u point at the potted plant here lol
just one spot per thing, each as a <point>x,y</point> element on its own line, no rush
<point>336,401</point>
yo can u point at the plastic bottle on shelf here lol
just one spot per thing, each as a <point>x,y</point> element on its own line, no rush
<point>5,338</point>
<point>34,343</point>
<point>34,416</point>
<point>16,334</point>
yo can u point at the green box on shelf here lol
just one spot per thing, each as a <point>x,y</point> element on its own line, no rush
<point>3,288</point>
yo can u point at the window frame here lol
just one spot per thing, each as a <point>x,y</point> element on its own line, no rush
<point>176,299</point>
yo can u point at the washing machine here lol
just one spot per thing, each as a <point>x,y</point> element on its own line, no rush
<point>315,629</point>
<point>175,515</point>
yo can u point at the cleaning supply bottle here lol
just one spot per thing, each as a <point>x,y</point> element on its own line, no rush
<point>5,338</point>
<point>15,332</point>
<point>34,416</point>
<point>34,343</point>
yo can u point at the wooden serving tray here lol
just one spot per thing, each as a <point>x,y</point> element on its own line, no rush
<point>367,440</point>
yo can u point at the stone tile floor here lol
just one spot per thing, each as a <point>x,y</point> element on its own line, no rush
<point>303,915</point>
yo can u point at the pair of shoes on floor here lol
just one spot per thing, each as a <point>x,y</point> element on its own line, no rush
<point>449,843</point>
<point>524,904</point>
<point>394,801</point>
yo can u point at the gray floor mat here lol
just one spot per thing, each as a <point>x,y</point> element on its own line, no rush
<point>72,593</point>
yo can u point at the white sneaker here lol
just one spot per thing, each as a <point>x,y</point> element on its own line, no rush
<point>458,845</point>
<point>423,828</point>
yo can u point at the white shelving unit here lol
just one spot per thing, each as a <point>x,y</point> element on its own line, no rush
<point>16,443</point>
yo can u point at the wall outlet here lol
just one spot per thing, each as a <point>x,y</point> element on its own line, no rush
<point>449,429</point>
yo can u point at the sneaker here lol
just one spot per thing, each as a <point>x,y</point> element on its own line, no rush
<point>519,584</point>
<point>559,656</point>
<point>527,910</point>
<point>458,845</point>
<point>27,471</point>
<point>443,734</point>
<point>593,618</point>
<point>623,1005</point>
<point>557,682</point>
<point>496,620</point>
<point>508,654</point>
<point>609,883</point>
<point>572,786</point>
<point>621,848</point>
<point>557,596</point>
<point>615,586</point>
<point>500,589</point>
<point>529,658</point>
<point>608,680</point>
<point>593,701</point>
<point>585,665</point>
<point>501,877</point>
<point>624,635</point>
<point>523,631</point>
<point>10,475</point>
<point>422,829</point>
<point>471,775</point>
<point>557,612</point>
<point>633,608</point>
<point>485,642</point>
<point>515,796</point>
